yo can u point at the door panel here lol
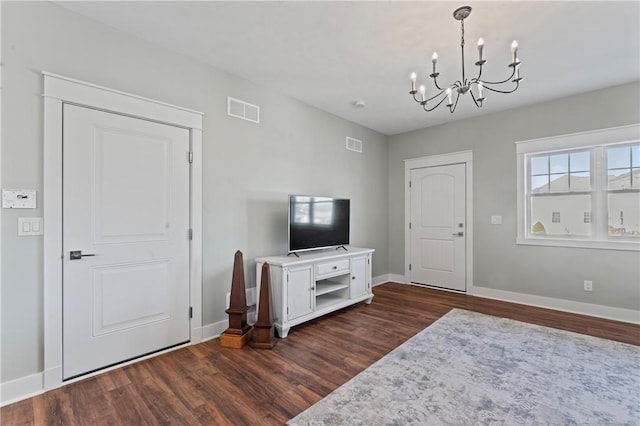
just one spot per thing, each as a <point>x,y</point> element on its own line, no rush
<point>300,300</point>
<point>126,204</point>
<point>438,210</point>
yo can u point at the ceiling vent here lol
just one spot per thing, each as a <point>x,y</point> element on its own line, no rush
<point>244,110</point>
<point>354,144</point>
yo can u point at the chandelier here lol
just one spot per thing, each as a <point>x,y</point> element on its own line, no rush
<point>461,87</point>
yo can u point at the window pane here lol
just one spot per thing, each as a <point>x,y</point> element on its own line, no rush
<point>568,212</point>
<point>540,165</point>
<point>618,157</point>
<point>580,161</point>
<point>559,182</point>
<point>636,178</point>
<point>635,155</point>
<point>624,215</point>
<point>559,163</point>
<point>580,181</point>
<point>539,184</point>
<point>619,179</point>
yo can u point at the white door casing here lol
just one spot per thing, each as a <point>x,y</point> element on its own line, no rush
<point>126,208</point>
<point>438,226</point>
<point>465,159</point>
<point>58,91</point>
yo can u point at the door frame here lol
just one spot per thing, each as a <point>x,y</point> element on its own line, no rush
<point>57,91</point>
<point>462,157</point>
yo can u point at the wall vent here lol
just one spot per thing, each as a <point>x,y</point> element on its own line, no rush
<point>354,144</point>
<point>244,110</point>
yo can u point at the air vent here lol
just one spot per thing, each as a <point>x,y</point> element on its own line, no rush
<point>244,110</point>
<point>354,144</point>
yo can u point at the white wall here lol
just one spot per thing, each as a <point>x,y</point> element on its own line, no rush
<point>552,272</point>
<point>248,169</point>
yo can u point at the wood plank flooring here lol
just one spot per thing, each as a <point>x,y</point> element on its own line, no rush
<point>211,385</point>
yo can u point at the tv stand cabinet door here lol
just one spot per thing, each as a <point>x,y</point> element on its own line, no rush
<point>300,291</point>
<point>358,277</point>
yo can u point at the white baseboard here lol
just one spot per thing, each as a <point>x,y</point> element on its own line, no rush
<point>214,330</point>
<point>22,388</point>
<point>385,278</point>
<point>600,311</point>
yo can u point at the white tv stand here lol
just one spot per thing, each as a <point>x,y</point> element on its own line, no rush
<point>316,283</point>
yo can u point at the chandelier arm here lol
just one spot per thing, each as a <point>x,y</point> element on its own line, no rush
<point>498,82</point>
<point>453,108</point>
<point>474,99</point>
<point>435,96</point>
<point>504,91</point>
<point>435,82</point>
<point>435,106</point>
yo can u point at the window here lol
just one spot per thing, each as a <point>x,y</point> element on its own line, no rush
<point>581,190</point>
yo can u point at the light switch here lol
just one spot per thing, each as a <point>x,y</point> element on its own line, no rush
<point>496,220</point>
<point>18,199</point>
<point>30,226</point>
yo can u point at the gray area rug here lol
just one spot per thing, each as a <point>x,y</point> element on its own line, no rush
<point>469,369</point>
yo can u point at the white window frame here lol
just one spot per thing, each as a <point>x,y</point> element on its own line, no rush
<point>597,140</point>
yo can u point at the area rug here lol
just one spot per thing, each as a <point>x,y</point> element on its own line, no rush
<point>469,369</point>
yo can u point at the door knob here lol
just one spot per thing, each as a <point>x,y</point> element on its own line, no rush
<point>77,254</point>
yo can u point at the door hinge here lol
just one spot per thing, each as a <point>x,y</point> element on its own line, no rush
<point>190,311</point>
<point>409,266</point>
<point>190,234</point>
<point>190,157</point>
<point>409,225</point>
<point>409,184</point>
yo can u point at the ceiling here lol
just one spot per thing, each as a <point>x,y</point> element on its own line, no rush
<point>331,54</point>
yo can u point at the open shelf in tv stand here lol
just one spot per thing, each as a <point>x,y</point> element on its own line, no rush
<point>316,283</point>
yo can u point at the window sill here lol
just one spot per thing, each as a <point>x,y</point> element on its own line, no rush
<point>589,244</point>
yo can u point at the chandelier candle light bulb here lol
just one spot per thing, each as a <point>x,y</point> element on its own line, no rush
<point>465,85</point>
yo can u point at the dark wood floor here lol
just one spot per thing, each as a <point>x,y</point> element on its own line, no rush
<point>211,385</point>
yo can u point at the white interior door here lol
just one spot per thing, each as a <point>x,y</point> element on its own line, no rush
<point>438,237</point>
<point>126,208</point>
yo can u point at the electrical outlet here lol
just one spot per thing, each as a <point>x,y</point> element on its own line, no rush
<point>588,285</point>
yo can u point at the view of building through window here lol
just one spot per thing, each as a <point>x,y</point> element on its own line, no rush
<point>562,191</point>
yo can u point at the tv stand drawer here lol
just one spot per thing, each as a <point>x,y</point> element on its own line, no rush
<point>332,268</point>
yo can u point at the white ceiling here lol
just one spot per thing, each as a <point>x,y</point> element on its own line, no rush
<point>330,54</point>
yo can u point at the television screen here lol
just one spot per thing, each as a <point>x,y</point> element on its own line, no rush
<point>317,222</point>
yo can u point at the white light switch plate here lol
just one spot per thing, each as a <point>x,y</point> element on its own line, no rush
<point>30,226</point>
<point>18,199</point>
<point>496,220</point>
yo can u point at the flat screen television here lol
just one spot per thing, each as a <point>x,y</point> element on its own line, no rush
<point>317,222</point>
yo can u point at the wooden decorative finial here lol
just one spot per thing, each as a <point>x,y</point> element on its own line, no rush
<point>263,330</point>
<point>237,335</point>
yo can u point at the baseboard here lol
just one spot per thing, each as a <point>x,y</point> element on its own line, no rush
<point>600,311</point>
<point>22,388</point>
<point>214,330</point>
<point>385,278</point>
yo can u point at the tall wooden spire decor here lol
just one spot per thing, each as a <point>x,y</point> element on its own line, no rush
<point>237,335</point>
<point>263,330</point>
